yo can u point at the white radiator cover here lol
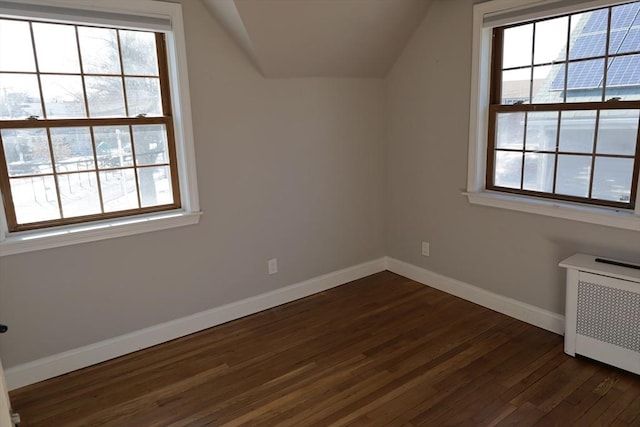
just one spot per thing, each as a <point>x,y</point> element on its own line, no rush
<point>602,318</point>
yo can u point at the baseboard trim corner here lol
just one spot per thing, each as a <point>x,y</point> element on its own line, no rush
<point>533,315</point>
<point>82,357</point>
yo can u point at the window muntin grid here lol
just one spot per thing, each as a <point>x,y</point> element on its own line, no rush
<point>564,122</point>
<point>88,133</point>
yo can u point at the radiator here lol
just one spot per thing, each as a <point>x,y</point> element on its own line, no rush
<point>602,316</point>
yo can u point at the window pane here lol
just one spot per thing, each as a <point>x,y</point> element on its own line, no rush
<point>63,96</point>
<point>557,80</point>
<point>618,132</point>
<point>588,45</point>
<point>56,48</point>
<point>99,50</point>
<point>623,16</point>
<point>143,96</point>
<point>584,81</point>
<point>573,175</point>
<point>623,38</point>
<point>545,78</point>
<point>591,22</point>
<point>150,142</point>
<point>79,194</point>
<point>623,78</point>
<point>551,40</point>
<point>26,151</point>
<point>508,169</point>
<point>139,53</point>
<point>119,190</point>
<point>72,149</point>
<point>538,172</point>
<point>16,49</point>
<point>105,96</point>
<point>542,130</point>
<point>510,130</point>
<point>577,131</point>
<point>612,179</point>
<point>19,96</point>
<point>630,42</point>
<point>155,186</point>
<point>516,86</point>
<point>34,199</point>
<point>518,45</point>
<point>113,146</point>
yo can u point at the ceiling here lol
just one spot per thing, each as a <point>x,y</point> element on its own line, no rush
<point>321,38</point>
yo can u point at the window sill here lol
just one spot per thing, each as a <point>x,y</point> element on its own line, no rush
<point>28,241</point>
<point>602,216</point>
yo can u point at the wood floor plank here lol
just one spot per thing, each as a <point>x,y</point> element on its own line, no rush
<point>556,385</point>
<point>497,417</point>
<point>381,351</point>
<point>608,408</point>
<point>631,414</point>
<point>582,399</point>
<point>526,415</point>
<point>452,402</point>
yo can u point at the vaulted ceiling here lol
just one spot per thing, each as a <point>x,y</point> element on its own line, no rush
<point>321,38</point>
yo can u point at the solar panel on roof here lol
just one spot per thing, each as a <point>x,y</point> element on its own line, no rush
<point>582,75</point>
<point>615,40</point>
<point>558,80</point>
<point>623,16</point>
<point>631,42</point>
<point>588,45</point>
<point>624,71</point>
<point>591,42</point>
<point>598,21</point>
<point>585,74</point>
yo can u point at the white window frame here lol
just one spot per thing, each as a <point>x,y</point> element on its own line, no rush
<point>138,14</point>
<point>496,13</point>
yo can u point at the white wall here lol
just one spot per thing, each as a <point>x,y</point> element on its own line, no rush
<point>298,169</point>
<point>506,252</point>
<point>286,168</point>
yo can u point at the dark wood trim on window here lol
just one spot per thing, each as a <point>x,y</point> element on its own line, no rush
<point>164,119</point>
<point>496,108</point>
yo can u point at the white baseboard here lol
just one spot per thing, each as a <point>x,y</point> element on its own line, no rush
<point>62,363</point>
<point>52,366</point>
<point>527,313</point>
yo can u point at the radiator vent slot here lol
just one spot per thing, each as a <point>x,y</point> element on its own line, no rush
<point>609,314</point>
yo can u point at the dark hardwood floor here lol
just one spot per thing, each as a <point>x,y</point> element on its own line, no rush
<point>380,351</point>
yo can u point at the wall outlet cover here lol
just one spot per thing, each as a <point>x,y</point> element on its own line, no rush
<point>425,248</point>
<point>272,265</point>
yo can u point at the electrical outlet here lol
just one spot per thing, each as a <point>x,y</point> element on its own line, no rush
<point>272,265</point>
<point>425,248</point>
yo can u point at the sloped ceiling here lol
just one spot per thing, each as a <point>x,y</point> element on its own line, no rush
<point>321,38</point>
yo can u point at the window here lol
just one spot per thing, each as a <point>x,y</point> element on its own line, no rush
<point>564,113</point>
<point>85,124</point>
<point>94,124</point>
<point>558,110</point>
